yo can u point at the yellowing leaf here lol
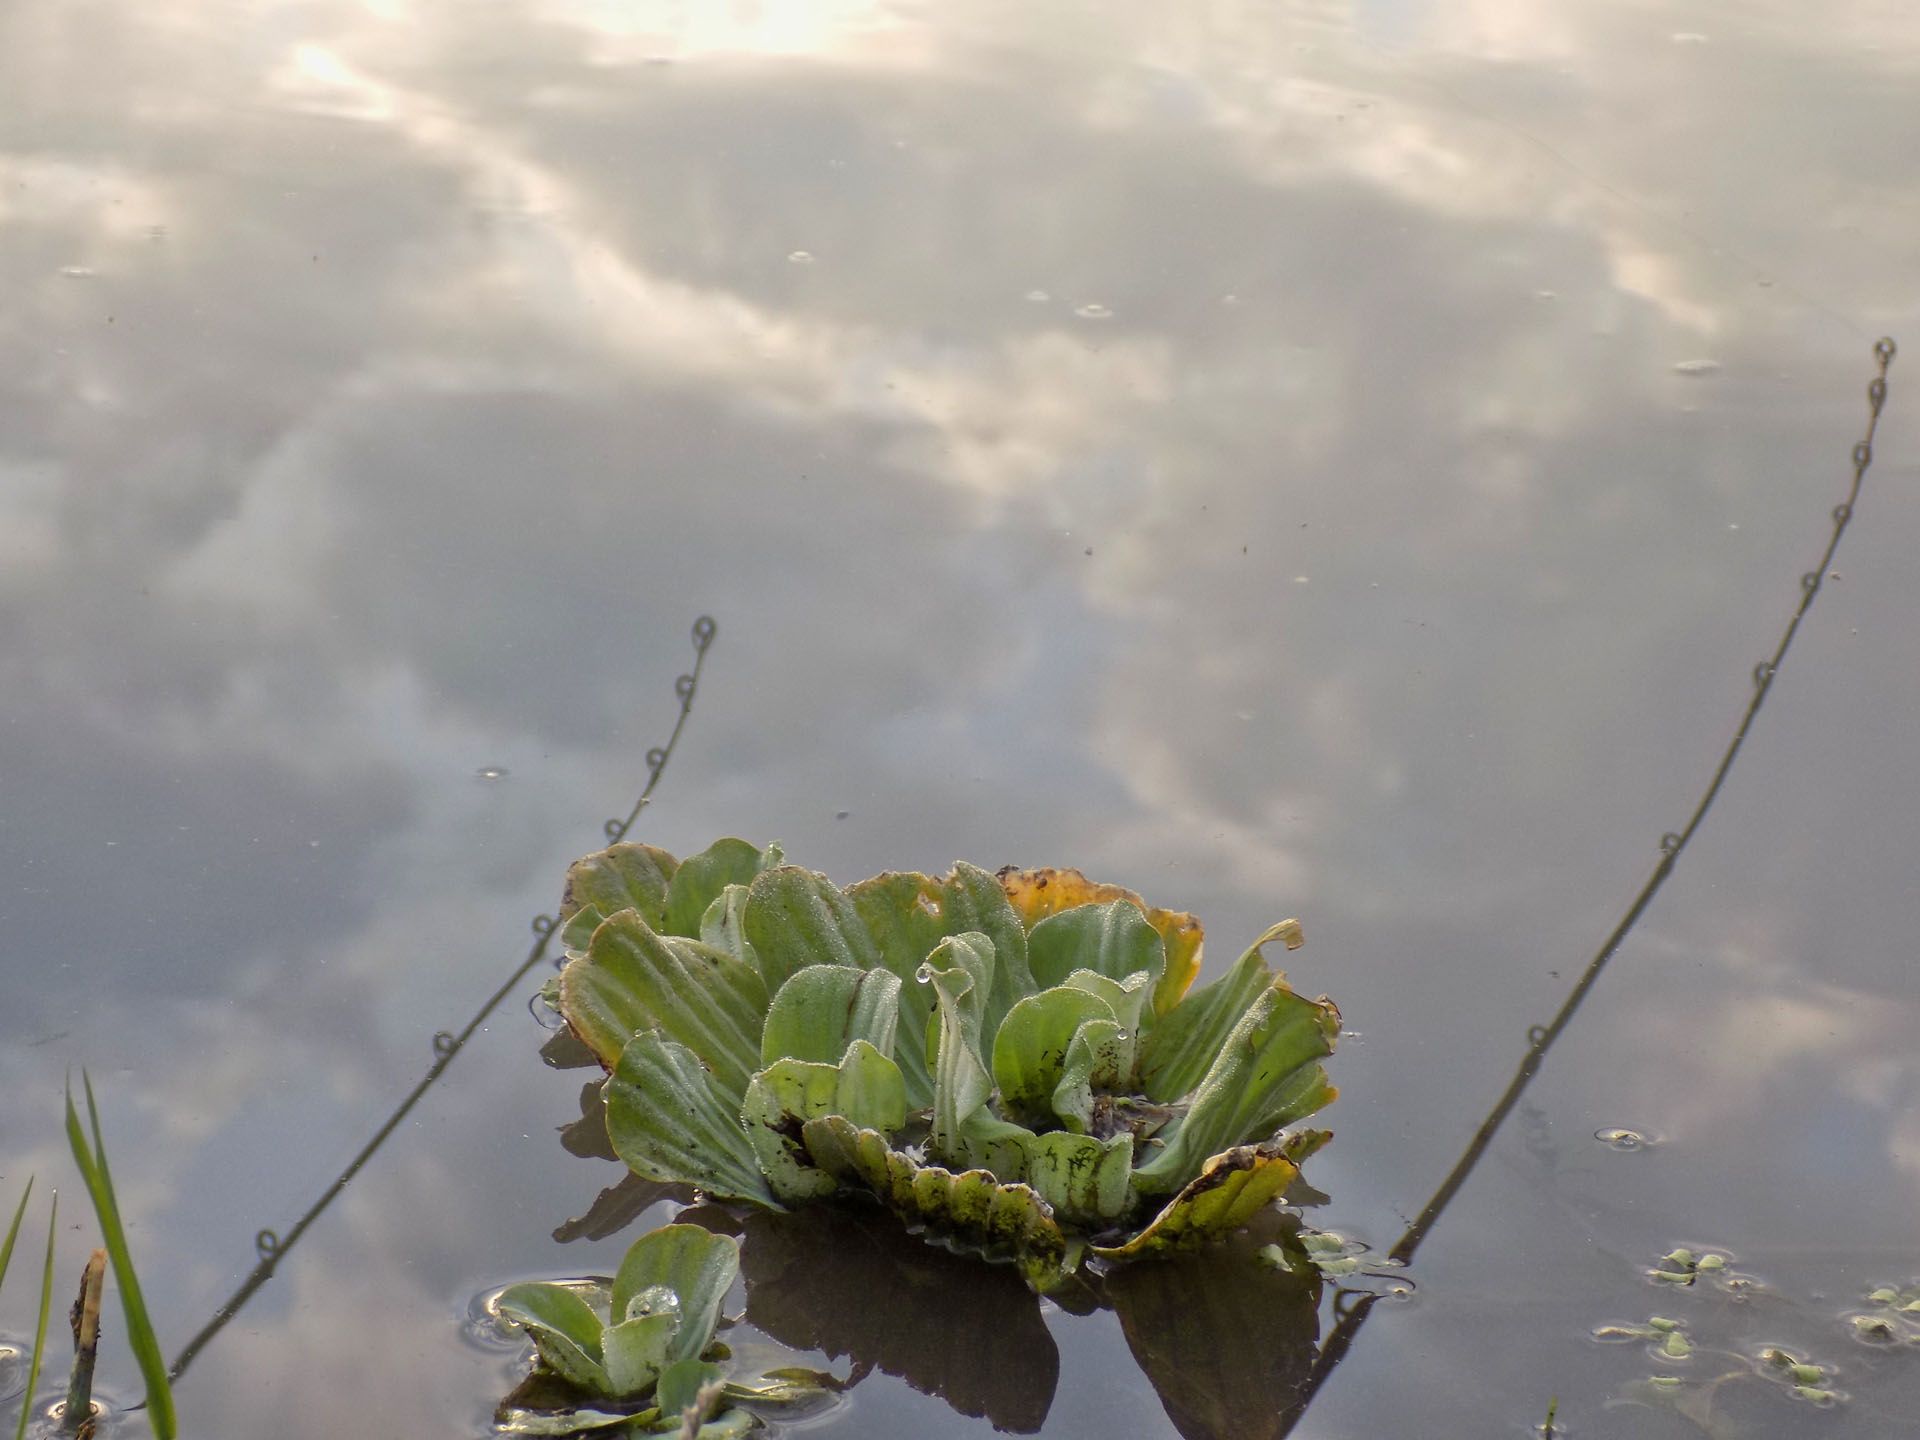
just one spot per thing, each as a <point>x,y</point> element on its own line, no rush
<point>1230,1190</point>
<point>1036,894</point>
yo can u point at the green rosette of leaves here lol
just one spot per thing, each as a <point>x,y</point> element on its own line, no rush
<point>647,1344</point>
<point>1016,1062</point>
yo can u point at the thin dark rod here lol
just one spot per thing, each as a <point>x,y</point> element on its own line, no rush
<point>1340,1338</point>
<point>272,1247</point>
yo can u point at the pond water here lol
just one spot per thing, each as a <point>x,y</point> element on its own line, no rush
<point>1340,462</point>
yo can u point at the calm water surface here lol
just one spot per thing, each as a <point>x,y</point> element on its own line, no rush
<point>1333,460</point>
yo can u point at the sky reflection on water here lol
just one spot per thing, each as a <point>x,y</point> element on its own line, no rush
<point>385,392</point>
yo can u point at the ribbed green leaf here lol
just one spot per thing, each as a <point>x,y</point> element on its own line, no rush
<point>700,880</point>
<point>1111,939</point>
<point>632,979</point>
<point>1177,1053</point>
<point>723,926</point>
<point>697,1265</point>
<point>796,918</point>
<point>1085,1180</point>
<point>1096,1058</point>
<point>1036,894</point>
<point>907,914</point>
<point>1128,1000</point>
<point>976,903</point>
<point>901,911</point>
<point>1030,1050</point>
<point>564,1330</point>
<point>970,1206</point>
<point>1254,1082</point>
<point>824,1008</point>
<point>636,1349</point>
<point>670,1121</point>
<point>961,970</point>
<point>621,877</point>
<point>865,1087</point>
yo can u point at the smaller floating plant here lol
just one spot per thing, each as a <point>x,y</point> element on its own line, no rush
<point>640,1353</point>
<point>1013,1063</point>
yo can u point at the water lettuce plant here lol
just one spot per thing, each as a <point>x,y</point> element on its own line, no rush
<point>1016,1062</point>
<point>649,1344</point>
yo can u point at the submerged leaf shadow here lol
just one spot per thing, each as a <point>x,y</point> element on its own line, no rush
<point>851,1281</point>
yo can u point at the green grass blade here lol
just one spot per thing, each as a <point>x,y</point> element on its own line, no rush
<point>40,1333</point>
<point>13,1231</point>
<point>140,1337</point>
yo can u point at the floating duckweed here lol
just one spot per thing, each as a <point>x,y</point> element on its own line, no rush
<point>1875,1329</point>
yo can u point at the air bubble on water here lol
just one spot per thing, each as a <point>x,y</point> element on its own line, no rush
<point>1093,310</point>
<point>1696,367</point>
<point>799,257</point>
<point>78,272</point>
<point>1617,1138</point>
<point>1038,297</point>
<point>1688,37</point>
<point>491,772</point>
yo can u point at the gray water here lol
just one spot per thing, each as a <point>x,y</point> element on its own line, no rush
<point>1339,462</point>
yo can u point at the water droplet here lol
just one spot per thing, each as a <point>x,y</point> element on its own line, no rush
<point>1123,1035</point>
<point>800,257</point>
<point>1696,367</point>
<point>924,974</point>
<point>1038,297</point>
<point>1093,311</point>
<point>491,772</point>
<point>1617,1138</point>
